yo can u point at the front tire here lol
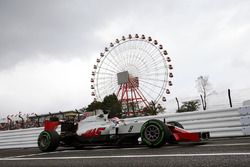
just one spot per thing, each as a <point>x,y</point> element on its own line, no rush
<point>48,141</point>
<point>155,133</point>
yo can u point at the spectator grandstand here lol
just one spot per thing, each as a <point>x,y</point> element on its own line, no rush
<point>22,121</point>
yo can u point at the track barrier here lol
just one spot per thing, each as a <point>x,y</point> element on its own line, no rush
<point>230,122</point>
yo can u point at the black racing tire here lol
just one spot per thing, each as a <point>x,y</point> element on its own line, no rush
<point>154,133</point>
<point>177,124</point>
<point>48,141</point>
<point>172,139</point>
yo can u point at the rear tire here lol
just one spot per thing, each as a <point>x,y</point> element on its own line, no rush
<point>155,133</point>
<point>48,141</point>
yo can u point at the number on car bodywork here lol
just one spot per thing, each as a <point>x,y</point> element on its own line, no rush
<point>130,128</point>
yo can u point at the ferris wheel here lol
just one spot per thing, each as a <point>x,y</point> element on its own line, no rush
<point>135,68</point>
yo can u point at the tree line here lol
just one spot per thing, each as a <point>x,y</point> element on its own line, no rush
<point>112,106</point>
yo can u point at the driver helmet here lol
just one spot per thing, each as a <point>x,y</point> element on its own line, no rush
<point>116,120</point>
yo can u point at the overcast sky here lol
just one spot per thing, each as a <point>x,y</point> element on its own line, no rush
<point>48,47</point>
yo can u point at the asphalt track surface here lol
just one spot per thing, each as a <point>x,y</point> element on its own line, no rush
<point>221,152</point>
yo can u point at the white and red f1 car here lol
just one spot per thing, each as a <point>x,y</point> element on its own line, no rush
<point>99,130</point>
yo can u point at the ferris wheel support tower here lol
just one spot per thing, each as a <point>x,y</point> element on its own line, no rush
<point>129,92</point>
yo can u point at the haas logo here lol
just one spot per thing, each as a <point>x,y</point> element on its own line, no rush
<point>93,132</point>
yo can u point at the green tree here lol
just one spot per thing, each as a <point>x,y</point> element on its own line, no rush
<point>95,105</point>
<point>160,109</point>
<point>115,110</point>
<point>153,109</point>
<point>112,106</point>
<point>189,106</point>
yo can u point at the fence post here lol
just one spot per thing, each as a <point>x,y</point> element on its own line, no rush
<point>229,97</point>
<point>177,101</point>
<point>202,102</point>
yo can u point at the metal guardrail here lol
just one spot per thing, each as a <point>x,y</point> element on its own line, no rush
<point>220,123</point>
<point>21,138</point>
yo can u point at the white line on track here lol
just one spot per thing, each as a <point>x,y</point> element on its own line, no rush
<point>71,151</point>
<point>112,149</point>
<point>125,156</point>
<point>37,154</point>
<point>232,144</point>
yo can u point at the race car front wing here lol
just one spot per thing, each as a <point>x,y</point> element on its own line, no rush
<point>184,135</point>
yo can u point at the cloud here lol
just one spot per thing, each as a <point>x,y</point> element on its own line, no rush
<point>45,87</point>
<point>55,28</point>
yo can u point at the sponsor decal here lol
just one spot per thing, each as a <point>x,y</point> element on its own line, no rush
<point>93,132</point>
